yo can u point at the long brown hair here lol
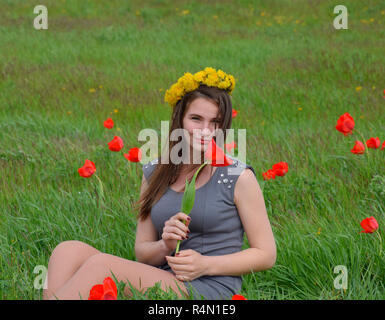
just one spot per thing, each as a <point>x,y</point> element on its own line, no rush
<point>165,175</point>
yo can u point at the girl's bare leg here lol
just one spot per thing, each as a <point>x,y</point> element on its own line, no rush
<point>65,260</point>
<point>99,266</point>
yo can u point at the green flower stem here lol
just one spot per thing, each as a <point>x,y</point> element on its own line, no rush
<point>380,242</point>
<point>190,188</point>
<point>100,188</point>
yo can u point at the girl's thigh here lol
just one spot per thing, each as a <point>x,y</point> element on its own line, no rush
<point>141,276</point>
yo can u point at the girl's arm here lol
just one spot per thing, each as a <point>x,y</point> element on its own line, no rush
<point>148,249</point>
<point>261,255</point>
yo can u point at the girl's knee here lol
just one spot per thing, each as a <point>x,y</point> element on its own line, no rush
<point>74,247</point>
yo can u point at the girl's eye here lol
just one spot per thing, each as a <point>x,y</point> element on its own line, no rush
<point>195,118</point>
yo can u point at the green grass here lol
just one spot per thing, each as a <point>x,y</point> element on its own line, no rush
<point>295,75</point>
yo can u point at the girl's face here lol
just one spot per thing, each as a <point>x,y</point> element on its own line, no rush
<point>200,121</point>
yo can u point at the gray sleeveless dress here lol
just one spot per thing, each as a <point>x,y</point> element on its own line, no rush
<point>215,227</point>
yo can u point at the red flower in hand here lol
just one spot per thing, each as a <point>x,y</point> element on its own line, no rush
<point>234,113</point>
<point>345,124</point>
<point>88,169</point>
<point>280,168</point>
<point>116,144</point>
<point>238,297</point>
<point>105,291</point>
<point>369,224</point>
<point>216,155</point>
<point>373,143</point>
<point>269,174</point>
<point>133,155</point>
<point>358,148</point>
<point>109,123</point>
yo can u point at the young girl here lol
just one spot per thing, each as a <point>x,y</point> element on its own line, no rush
<point>228,202</point>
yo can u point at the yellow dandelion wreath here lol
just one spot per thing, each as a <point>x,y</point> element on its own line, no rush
<point>189,82</point>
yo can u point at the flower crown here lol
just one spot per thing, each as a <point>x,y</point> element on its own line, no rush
<point>189,82</point>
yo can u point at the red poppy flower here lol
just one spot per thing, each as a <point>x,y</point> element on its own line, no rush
<point>105,291</point>
<point>234,114</point>
<point>358,148</point>
<point>109,123</point>
<point>229,146</point>
<point>88,169</point>
<point>238,297</point>
<point>383,145</point>
<point>269,174</point>
<point>217,156</point>
<point>345,124</point>
<point>373,143</point>
<point>116,144</point>
<point>133,155</point>
<point>280,168</point>
<point>369,224</point>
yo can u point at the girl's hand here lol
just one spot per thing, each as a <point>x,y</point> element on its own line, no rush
<point>174,229</point>
<point>188,265</point>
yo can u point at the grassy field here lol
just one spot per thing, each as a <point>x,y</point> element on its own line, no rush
<point>295,76</point>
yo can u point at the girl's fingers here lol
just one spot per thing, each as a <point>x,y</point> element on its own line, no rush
<point>180,225</point>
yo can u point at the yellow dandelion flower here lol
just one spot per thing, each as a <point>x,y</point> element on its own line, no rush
<point>188,82</point>
<point>232,80</point>
<point>358,89</point>
<point>297,21</point>
<point>200,76</point>
<point>300,109</point>
<point>383,12</point>
<point>221,74</point>
<point>118,129</point>
<point>319,231</point>
<point>92,90</point>
<point>116,110</point>
<point>100,87</point>
<point>263,13</point>
<point>212,79</point>
<point>184,12</point>
<point>209,70</point>
<point>371,19</point>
